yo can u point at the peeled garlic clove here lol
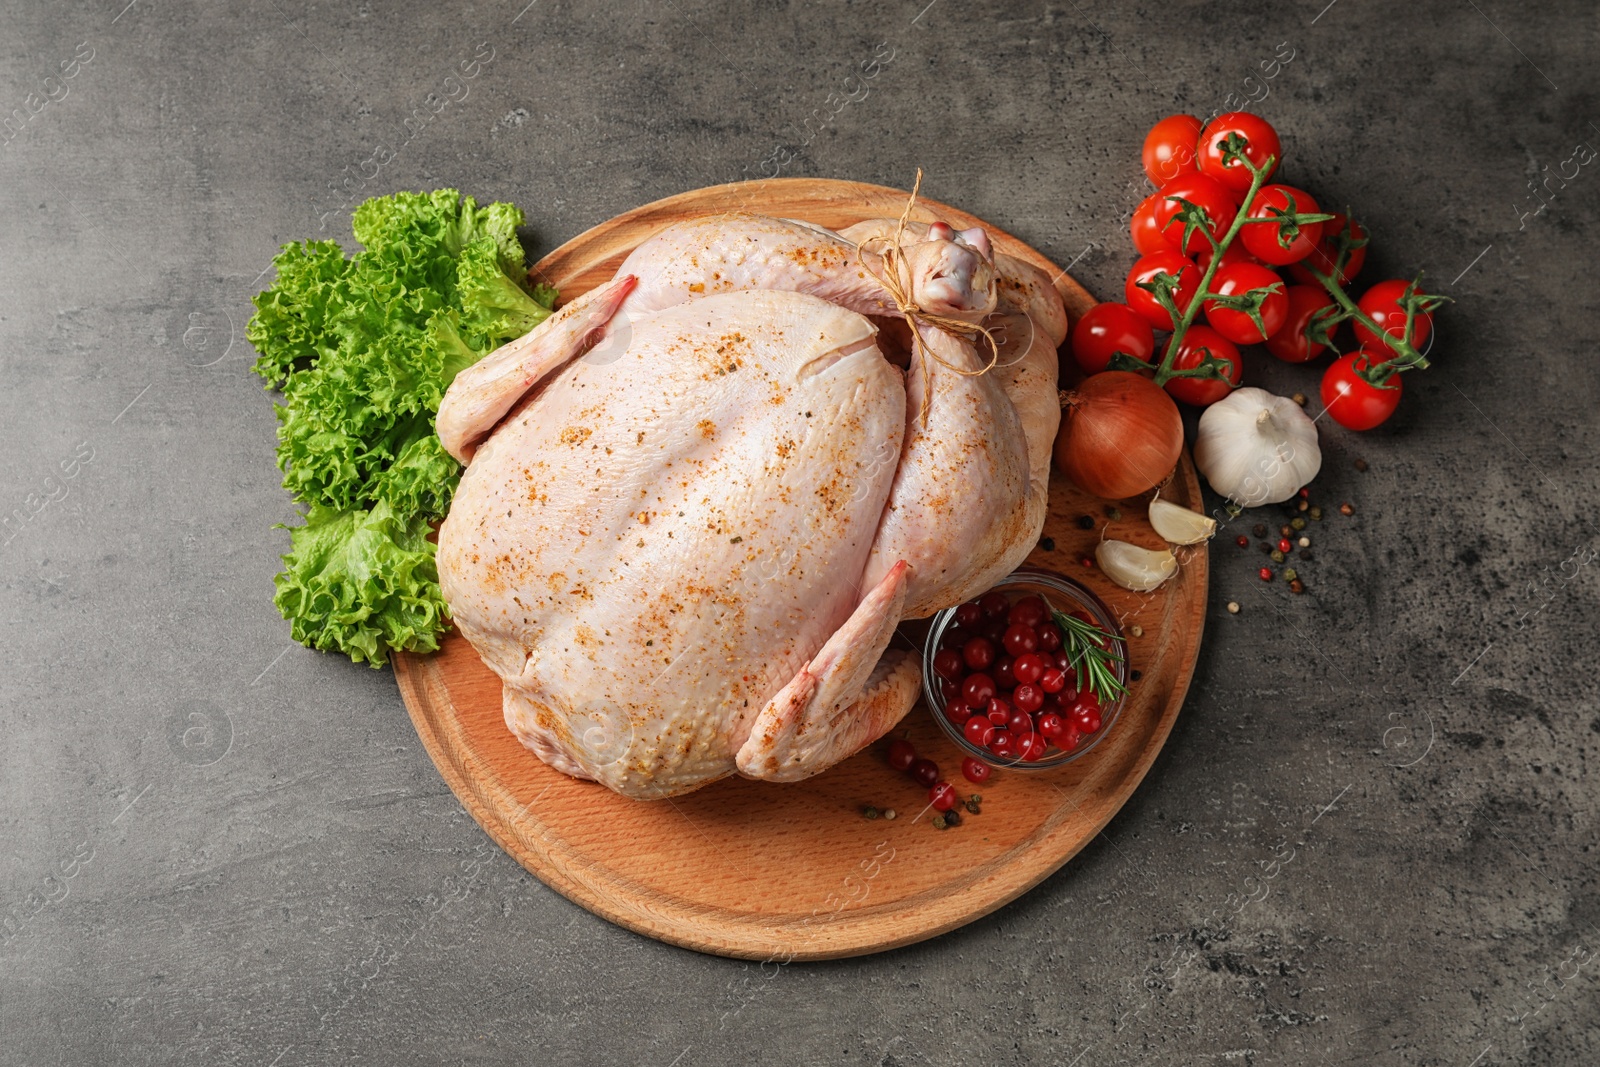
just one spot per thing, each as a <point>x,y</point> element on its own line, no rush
<point>1179,525</point>
<point>1132,567</point>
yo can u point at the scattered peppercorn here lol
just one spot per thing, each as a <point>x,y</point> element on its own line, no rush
<point>1260,529</point>
<point>1233,607</point>
<point>1346,509</point>
<point>1266,574</point>
<point>952,818</point>
<point>1299,398</point>
<point>870,812</point>
<point>1114,514</point>
<point>1047,543</point>
<point>939,822</point>
<point>1086,561</point>
<point>1277,556</point>
<point>974,804</point>
<point>1304,542</point>
<point>1297,586</point>
<point>1266,546</point>
<point>1361,465</point>
<point>1305,554</point>
<point>1136,675</point>
<point>1316,513</point>
<point>1298,523</point>
<point>1302,506</point>
<point>1242,541</point>
<point>1138,631</point>
<point>1285,530</point>
<point>1290,574</point>
<point>888,813</point>
<point>1085,522</point>
<point>1284,544</point>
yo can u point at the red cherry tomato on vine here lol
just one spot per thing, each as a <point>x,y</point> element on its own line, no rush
<point>1144,228</point>
<point>1169,148</point>
<point>1265,239</point>
<point>1290,342</point>
<point>1235,280</point>
<point>1219,202</point>
<point>1323,256</point>
<point>1234,253</point>
<point>1203,391</point>
<point>1382,302</point>
<point>1351,400</point>
<point>1170,262</point>
<point>1262,141</point>
<point>1108,328</point>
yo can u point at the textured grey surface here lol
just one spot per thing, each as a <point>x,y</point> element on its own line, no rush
<point>260,865</point>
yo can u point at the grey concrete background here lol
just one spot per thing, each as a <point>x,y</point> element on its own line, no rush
<point>1371,838</point>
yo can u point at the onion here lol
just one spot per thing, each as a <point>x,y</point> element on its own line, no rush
<point>1121,435</point>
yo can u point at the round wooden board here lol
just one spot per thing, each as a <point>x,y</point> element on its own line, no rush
<point>795,872</point>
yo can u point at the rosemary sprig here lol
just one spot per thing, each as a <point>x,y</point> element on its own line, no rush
<point>1092,663</point>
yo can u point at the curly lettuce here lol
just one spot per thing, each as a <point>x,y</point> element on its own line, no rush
<point>363,349</point>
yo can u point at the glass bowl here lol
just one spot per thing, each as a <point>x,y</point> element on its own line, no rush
<point>1063,594</point>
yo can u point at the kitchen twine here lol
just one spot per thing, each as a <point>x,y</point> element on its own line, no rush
<point>896,279</point>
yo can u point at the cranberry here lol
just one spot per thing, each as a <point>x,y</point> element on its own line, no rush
<point>1053,680</point>
<point>1019,639</point>
<point>1085,703</point>
<point>1028,697</point>
<point>994,605</point>
<point>1088,722</point>
<point>1084,617</point>
<point>1030,611</point>
<point>954,637</point>
<point>1032,748</point>
<point>1067,740</point>
<point>1000,743</point>
<point>977,690</point>
<point>951,691</point>
<point>975,770</point>
<point>1004,675</point>
<point>925,771</point>
<point>1062,661</point>
<point>902,754</point>
<point>947,664</point>
<point>978,730</point>
<point>1050,725</point>
<point>1049,638</point>
<point>969,614</point>
<point>997,711</point>
<point>957,711</point>
<point>942,796</point>
<point>978,653</point>
<point>993,629</point>
<point>1019,723</point>
<point>1029,668</point>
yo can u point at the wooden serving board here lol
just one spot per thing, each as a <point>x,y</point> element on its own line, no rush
<point>796,872</point>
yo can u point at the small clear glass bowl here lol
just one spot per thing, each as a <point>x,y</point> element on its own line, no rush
<point>1063,594</point>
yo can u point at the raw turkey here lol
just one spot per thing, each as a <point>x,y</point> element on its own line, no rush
<point>687,557</point>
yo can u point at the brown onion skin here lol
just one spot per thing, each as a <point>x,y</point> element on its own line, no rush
<point>1097,449</point>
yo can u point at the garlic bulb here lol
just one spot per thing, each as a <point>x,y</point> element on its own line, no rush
<point>1256,448</point>
<point>1132,567</point>
<point>1179,525</point>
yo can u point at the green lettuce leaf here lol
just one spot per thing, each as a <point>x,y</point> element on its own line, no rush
<point>363,583</point>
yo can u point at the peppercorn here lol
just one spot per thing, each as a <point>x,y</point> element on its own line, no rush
<point>1346,509</point>
<point>1285,530</point>
<point>1114,514</point>
<point>1260,529</point>
<point>1316,513</point>
<point>1233,607</point>
<point>1290,574</point>
<point>1266,574</point>
<point>1135,676</point>
<point>1361,465</point>
<point>1085,522</point>
<point>1305,554</point>
<point>1302,506</point>
<point>952,818</point>
<point>939,822</point>
<point>1047,543</point>
<point>1138,631</point>
<point>1299,398</point>
<point>1266,546</point>
<point>1277,556</point>
<point>1242,541</point>
<point>1297,586</point>
<point>888,813</point>
<point>1304,542</point>
<point>974,803</point>
<point>1086,561</point>
<point>1298,523</point>
<point>1305,493</point>
<point>870,812</point>
<point>1285,545</point>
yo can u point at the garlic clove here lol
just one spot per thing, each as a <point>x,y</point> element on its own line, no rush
<point>1132,567</point>
<point>1178,524</point>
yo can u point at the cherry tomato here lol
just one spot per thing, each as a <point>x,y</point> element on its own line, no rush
<point>1203,391</point>
<point>1354,402</point>
<point>1144,229</point>
<point>1108,328</point>
<point>942,795</point>
<point>1236,279</point>
<point>1382,302</point>
<point>1219,202</point>
<point>1234,253</point>
<point>1261,141</point>
<point>1327,251</point>
<point>978,729</point>
<point>1169,148</point>
<point>1171,262</point>
<point>902,754</point>
<point>975,770</point>
<point>1265,239</point>
<point>1290,343</point>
